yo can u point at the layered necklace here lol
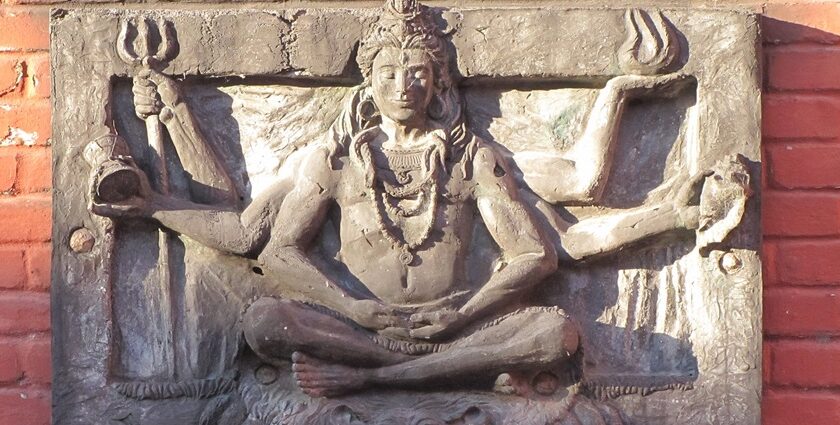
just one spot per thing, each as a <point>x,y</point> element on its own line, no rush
<point>407,197</point>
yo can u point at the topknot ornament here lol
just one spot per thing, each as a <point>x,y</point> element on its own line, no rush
<point>403,9</point>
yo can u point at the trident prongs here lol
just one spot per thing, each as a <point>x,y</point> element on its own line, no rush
<point>139,52</point>
<point>124,48</point>
<point>167,47</point>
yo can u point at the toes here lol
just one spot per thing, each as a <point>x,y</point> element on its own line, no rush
<point>299,357</point>
<point>301,367</point>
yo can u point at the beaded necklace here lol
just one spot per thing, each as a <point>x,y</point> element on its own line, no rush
<point>382,195</point>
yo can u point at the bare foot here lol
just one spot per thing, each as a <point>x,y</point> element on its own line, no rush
<point>512,383</point>
<point>317,378</point>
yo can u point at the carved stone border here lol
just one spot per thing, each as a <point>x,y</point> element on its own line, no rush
<point>495,46</point>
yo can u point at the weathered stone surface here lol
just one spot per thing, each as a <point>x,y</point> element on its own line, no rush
<point>630,159</point>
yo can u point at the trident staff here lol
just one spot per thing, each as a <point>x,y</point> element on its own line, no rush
<point>138,54</point>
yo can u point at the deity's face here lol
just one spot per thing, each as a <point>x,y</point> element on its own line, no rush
<point>403,84</point>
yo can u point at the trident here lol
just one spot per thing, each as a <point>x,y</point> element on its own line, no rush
<point>143,59</point>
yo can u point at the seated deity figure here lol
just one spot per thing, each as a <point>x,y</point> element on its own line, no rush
<point>405,183</point>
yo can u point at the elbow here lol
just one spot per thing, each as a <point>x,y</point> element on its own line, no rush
<point>581,195</point>
<point>249,246</point>
<point>278,257</point>
<point>591,193</point>
<point>547,261</point>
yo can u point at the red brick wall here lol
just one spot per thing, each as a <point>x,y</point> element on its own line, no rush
<point>24,216</point>
<point>801,213</point>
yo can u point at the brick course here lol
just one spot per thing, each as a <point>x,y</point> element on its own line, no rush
<point>801,214</point>
<point>25,217</point>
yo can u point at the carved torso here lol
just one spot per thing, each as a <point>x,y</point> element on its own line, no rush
<point>437,270</point>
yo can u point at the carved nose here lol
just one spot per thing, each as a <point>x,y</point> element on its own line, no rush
<point>400,87</point>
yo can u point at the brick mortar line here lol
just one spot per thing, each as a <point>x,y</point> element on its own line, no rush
<point>810,95</point>
<point>776,189</point>
<point>824,191</point>
<point>799,92</point>
<point>820,139</point>
<point>23,245</point>
<point>803,47</point>
<point>833,389</point>
<point>4,291</point>
<point>43,388</point>
<point>800,238</point>
<point>22,291</point>
<point>831,339</point>
<point>784,289</point>
<point>803,141</point>
<point>41,335</point>
<point>22,50</point>
<point>800,390</point>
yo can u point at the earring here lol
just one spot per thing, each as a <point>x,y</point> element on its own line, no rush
<point>436,107</point>
<point>368,110</point>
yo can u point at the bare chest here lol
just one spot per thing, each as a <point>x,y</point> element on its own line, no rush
<point>405,247</point>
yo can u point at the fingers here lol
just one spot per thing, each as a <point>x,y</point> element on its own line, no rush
<point>395,332</point>
<point>146,100</point>
<point>166,88</point>
<point>382,320</point>
<point>130,208</point>
<point>422,317</point>
<point>146,110</point>
<point>426,332</point>
<point>110,210</point>
<point>692,187</point>
<point>391,321</point>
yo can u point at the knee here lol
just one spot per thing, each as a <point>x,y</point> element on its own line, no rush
<point>558,337</point>
<point>266,323</point>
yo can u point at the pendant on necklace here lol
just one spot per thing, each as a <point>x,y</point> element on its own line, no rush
<point>406,257</point>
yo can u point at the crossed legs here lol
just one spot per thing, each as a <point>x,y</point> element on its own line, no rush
<point>331,356</point>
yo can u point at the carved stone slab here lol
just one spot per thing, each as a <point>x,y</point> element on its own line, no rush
<point>153,324</point>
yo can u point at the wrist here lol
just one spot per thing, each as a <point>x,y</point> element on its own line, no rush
<point>166,115</point>
<point>155,206</point>
<point>688,217</point>
<point>464,316</point>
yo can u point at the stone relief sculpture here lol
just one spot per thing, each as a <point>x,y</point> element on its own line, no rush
<point>405,265</point>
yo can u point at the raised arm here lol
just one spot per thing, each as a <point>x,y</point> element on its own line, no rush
<point>605,234</point>
<point>209,181</point>
<point>527,257</point>
<point>578,176</point>
<point>222,227</point>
